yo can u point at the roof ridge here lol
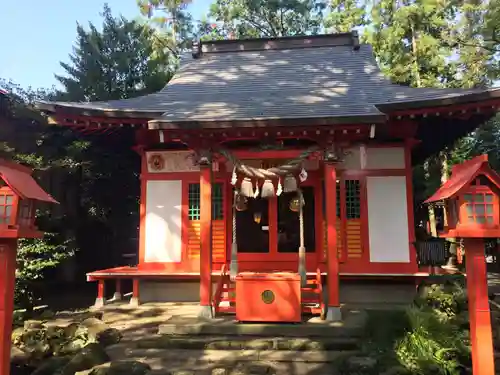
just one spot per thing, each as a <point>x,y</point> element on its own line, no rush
<point>276,43</point>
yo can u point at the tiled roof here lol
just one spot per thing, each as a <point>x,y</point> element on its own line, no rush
<point>285,81</point>
<point>18,178</point>
<point>462,175</point>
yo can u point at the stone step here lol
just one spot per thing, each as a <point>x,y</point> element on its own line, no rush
<point>261,330</point>
<point>175,361</point>
<point>351,326</point>
<point>255,368</point>
<point>244,343</point>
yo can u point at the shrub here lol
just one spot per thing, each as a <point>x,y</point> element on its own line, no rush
<point>446,296</point>
<point>430,337</point>
<point>433,345</point>
<point>34,258</point>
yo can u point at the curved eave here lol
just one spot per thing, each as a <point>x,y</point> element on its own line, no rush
<point>57,108</point>
<point>401,106</point>
<point>265,121</point>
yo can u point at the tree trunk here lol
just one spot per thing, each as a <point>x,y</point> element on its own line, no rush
<point>445,175</point>
<point>430,207</point>
<point>416,70</point>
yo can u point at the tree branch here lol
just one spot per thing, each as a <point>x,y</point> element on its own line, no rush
<point>275,32</point>
<point>258,26</point>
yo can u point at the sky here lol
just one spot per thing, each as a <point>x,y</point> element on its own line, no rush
<point>36,35</point>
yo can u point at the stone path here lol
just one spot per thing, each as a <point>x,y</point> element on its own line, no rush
<point>139,324</point>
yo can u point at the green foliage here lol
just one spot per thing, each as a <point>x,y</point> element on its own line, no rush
<point>433,345</point>
<point>34,258</point>
<point>438,341</point>
<point>207,30</point>
<point>429,337</point>
<point>484,140</point>
<point>449,298</point>
<point>172,23</point>
<point>94,177</point>
<point>345,15</point>
<point>406,40</point>
<point>269,18</point>
<point>114,63</point>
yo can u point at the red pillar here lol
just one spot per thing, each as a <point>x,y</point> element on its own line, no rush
<point>8,249</point>
<point>479,308</point>
<point>100,300</point>
<point>333,312</point>
<point>135,300</point>
<point>206,240</point>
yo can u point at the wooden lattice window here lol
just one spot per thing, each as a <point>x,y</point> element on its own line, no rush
<point>349,228</point>
<point>194,198</point>
<point>194,202</point>
<point>6,208</point>
<point>353,199</point>
<point>479,208</point>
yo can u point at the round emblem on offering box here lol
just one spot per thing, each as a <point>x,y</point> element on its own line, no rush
<point>267,296</point>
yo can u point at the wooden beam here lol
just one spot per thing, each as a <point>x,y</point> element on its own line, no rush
<point>333,312</point>
<point>479,308</point>
<point>206,239</point>
<point>8,249</point>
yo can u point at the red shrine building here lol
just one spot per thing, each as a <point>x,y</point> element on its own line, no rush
<point>277,160</point>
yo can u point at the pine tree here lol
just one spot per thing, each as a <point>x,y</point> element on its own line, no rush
<point>406,37</point>
<point>269,18</point>
<point>345,15</point>
<point>112,64</point>
<point>475,50</point>
<point>172,24</point>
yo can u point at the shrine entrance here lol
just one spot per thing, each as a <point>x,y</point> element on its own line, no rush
<point>252,223</point>
<point>268,229</point>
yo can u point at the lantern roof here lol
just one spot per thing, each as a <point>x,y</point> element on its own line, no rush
<point>19,179</point>
<point>463,175</point>
<point>331,76</point>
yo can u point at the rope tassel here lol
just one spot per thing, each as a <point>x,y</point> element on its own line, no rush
<point>246,188</point>
<point>234,177</point>
<point>267,189</point>
<point>256,193</point>
<point>280,188</point>
<point>289,184</point>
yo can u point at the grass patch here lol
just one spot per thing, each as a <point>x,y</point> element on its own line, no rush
<point>431,337</point>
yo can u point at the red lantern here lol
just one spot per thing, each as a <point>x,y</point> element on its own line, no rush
<point>471,198</point>
<point>18,193</point>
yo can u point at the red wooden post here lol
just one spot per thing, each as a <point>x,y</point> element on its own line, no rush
<point>333,312</point>
<point>8,248</point>
<point>101,292</point>
<point>479,308</point>
<point>134,301</point>
<point>206,240</point>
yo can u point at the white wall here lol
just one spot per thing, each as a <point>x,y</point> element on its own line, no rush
<point>388,219</point>
<point>385,158</point>
<point>163,221</point>
<point>376,158</point>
